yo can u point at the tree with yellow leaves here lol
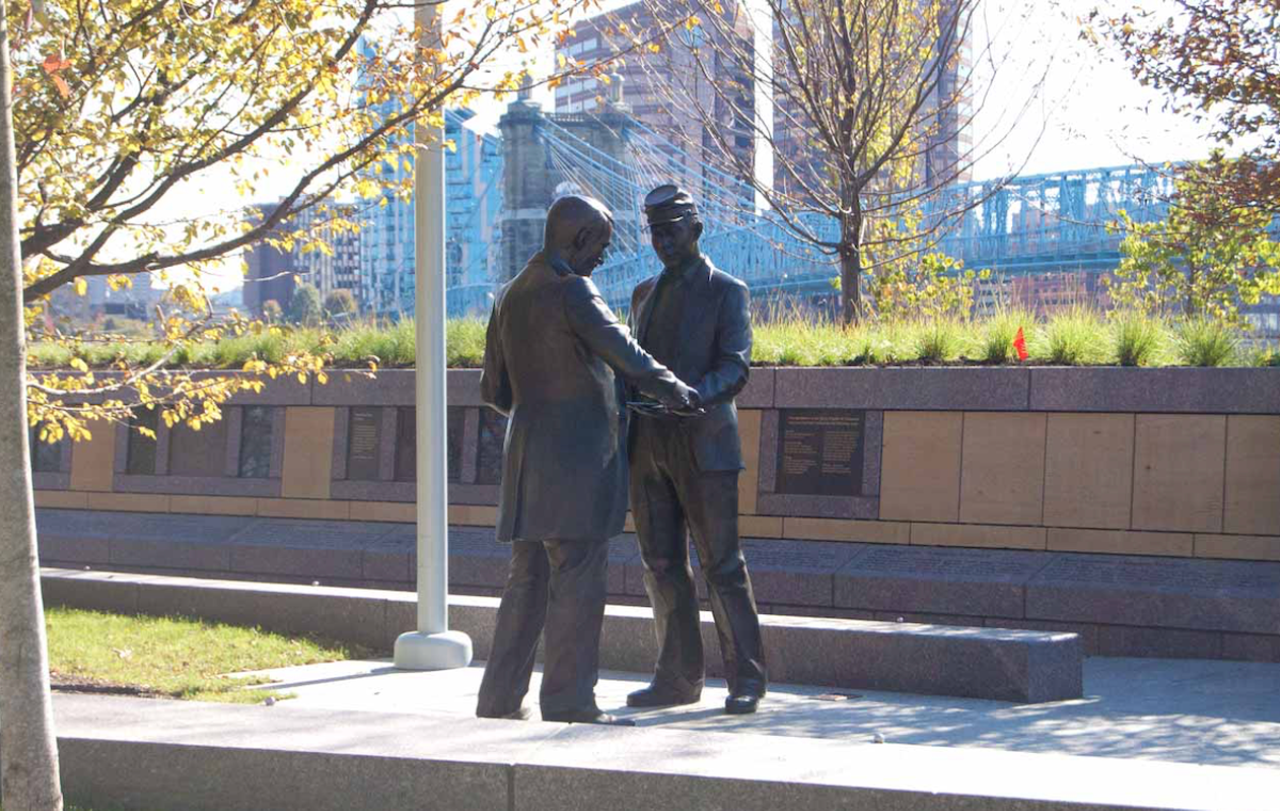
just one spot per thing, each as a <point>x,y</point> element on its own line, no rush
<point>117,115</point>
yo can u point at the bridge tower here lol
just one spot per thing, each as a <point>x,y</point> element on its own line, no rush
<point>532,179</point>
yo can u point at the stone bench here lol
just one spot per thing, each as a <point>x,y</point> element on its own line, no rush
<point>1119,605</point>
<point>1004,665</point>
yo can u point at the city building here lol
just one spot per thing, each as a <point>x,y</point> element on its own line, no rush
<point>665,92</point>
<point>273,273</point>
<point>136,302</point>
<point>269,271</point>
<point>335,270</point>
<point>473,179</point>
<point>473,199</point>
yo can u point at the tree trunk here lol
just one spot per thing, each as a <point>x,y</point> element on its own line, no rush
<point>28,748</point>
<point>850,270</point>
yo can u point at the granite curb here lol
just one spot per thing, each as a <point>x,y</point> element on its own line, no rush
<point>206,757</point>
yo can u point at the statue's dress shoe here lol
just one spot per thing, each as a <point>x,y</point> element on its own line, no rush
<point>662,695</point>
<point>744,698</point>
<point>744,704</point>
<point>522,714</point>
<point>589,717</point>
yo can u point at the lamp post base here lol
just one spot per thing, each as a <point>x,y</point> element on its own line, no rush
<point>444,651</point>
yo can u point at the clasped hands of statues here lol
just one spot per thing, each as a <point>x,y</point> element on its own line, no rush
<point>686,404</point>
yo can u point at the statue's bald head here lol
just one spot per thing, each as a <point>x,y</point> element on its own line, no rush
<point>578,231</point>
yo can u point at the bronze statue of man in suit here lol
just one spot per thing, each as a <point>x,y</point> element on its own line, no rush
<point>684,469</point>
<point>551,350</point>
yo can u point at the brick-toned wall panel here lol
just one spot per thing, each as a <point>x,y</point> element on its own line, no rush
<point>62,499</point>
<point>308,452</point>
<point>93,460</point>
<point>1239,547</point>
<point>383,511</point>
<point>129,502</point>
<point>1002,469</point>
<point>920,476</point>
<point>1089,471</point>
<point>1120,542</point>
<point>474,516</point>
<point>829,529</point>
<point>213,505</point>
<point>1253,476</point>
<point>1178,472</point>
<point>979,535</point>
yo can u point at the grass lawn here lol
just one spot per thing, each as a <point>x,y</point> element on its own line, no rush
<point>172,657</point>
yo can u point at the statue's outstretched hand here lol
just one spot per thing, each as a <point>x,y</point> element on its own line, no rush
<point>686,402</point>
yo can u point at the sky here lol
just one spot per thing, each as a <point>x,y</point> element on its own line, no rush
<point>1054,101</point>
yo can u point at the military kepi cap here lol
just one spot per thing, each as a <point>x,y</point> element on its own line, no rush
<point>668,203</point>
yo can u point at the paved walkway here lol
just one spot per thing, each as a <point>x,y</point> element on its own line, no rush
<point>1184,711</point>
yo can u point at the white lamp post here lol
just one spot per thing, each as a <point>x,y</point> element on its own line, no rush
<point>433,646</point>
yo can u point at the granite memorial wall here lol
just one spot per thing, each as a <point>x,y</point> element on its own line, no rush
<point>1163,462</point>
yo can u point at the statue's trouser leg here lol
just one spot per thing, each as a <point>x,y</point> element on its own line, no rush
<point>664,550</point>
<point>710,502</point>
<point>575,614</point>
<point>515,638</point>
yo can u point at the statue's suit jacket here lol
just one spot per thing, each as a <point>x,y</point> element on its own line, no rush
<point>551,349</point>
<point>714,358</point>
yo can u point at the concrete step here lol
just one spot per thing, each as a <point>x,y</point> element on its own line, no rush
<point>1120,605</point>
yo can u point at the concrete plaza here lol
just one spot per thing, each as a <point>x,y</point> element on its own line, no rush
<point>1166,734</point>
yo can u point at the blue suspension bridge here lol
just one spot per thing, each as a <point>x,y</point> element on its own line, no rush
<point>1025,225</point>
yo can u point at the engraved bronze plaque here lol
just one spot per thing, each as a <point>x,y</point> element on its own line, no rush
<point>198,453</point>
<point>820,452</point>
<point>256,428</point>
<point>407,443</point>
<point>46,457</point>
<point>456,417</point>
<point>493,433</point>
<point>141,460</point>
<point>364,433</point>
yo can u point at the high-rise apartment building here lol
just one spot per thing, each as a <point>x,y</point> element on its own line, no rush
<point>665,91</point>
<point>273,273</point>
<point>677,95</point>
<point>339,270</point>
<point>270,273</point>
<point>473,196</point>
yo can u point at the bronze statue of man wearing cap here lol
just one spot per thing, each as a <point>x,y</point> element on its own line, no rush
<point>695,320</point>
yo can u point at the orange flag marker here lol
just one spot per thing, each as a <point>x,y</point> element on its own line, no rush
<point>1020,344</point>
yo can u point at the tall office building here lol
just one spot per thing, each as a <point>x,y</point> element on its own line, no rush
<point>668,93</point>
<point>270,273</point>
<point>664,90</point>
<point>273,273</point>
<point>339,270</point>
